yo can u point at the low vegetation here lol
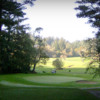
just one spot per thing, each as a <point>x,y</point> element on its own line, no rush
<point>57,63</point>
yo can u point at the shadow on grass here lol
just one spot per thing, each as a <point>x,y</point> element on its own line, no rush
<point>15,93</point>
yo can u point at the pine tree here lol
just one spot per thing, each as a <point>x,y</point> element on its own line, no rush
<point>15,43</point>
<point>91,9</point>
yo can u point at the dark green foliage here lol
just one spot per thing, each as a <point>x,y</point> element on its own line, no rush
<point>15,43</point>
<point>92,53</point>
<point>9,13</point>
<point>16,53</point>
<point>91,9</point>
<point>29,2</point>
<point>57,63</point>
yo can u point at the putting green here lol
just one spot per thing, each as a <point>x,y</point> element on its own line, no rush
<point>52,79</point>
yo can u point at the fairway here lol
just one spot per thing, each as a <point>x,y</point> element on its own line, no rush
<point>52,79</point>
<point>74,62</point>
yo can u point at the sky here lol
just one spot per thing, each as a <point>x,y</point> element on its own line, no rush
<point>58,19</point>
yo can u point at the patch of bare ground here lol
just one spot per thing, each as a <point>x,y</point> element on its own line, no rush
<point>86,82</point>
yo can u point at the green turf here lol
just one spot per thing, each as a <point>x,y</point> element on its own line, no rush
<point>74,62</point>
<point>59,83</point>
<point>13,93</point>
<point>70,82</point>
<point>52,79</point>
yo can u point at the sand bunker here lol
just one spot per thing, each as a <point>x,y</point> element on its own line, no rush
<point>86,82</point>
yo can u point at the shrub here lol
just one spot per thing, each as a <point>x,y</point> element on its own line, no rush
<point>57,63</point>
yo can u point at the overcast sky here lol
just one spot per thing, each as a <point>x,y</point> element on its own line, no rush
<point>58,19</point>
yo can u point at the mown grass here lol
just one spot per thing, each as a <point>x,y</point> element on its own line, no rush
<point>74,62</point>
<point>52,79</point>
<point>13,93</point>
<point>63,91</point>
<point>20,78</point>
<point>74,72</point>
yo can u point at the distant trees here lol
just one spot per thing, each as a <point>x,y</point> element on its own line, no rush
<point>91,9</point>
<point>50,40</point>
<point>59,47</point>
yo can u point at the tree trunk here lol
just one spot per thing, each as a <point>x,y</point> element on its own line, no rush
<point>0,15</point>
<point>34,68</point>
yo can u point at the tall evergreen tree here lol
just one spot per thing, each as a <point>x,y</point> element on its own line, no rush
<point>15,43</point>
<point>91,9</point>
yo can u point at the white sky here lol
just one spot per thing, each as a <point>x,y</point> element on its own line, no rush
<point>58,19</point>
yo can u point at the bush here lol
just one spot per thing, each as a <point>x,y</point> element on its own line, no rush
<point>57,63</point>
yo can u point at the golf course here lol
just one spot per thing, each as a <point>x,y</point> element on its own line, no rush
<point>47,52</point>
<point>45,85</point>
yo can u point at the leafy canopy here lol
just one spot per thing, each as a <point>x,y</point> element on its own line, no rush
<point>91,9</point>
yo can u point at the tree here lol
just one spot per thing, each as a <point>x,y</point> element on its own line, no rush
<point>56,44</point>
<point>15,42</point>
<point>49,40</point>
<point>29,2</point>
<point>50,52</point>
<point>62,44</point>
<point>57,63</point>
<point>92,54</point>
<point>91,9</point>
<point>8,7</point>
<point>39,53</point>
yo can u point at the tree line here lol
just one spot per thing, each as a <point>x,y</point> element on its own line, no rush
<point>59,47</point>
